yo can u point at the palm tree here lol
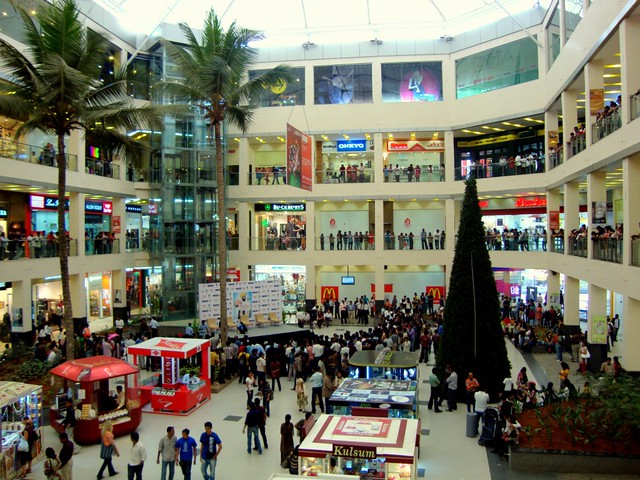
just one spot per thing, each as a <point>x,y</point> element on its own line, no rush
<point>214,72</point>
<point>53,87</point>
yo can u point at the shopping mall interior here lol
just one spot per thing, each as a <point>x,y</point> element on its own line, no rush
<point>538,100</point>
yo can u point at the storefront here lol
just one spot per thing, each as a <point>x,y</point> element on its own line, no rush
<point>18,400</point>
<point>368,447</point>
<point>294,281</point>
<point>185,378</point>
<point>6,296</point>
<point>345,161</point>
<point>134,227</point>
<point>428,155</point>
<point>520,213</point>
<point>98,288</point>
<point>385,364</point>
<point>43,210</point>
<point>279,226</point>
<point>376,398</point>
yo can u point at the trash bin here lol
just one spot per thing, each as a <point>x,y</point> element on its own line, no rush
<point>472,424</point>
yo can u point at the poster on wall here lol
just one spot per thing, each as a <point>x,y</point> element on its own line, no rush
<point>17,322</point>
<point>284,93</point>
<point>299,159</point>
<point>596,100</point>
<point>554,219</point>
<point>243,298</point>
<point>598,212</point>
<point>341,84</point>
<point>412,82</point>
<point>599,329</point>
<point>498,67</point>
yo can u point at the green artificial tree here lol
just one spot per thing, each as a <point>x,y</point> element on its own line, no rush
<point>472,339</point>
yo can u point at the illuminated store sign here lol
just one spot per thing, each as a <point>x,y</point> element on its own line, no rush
<point>41,202</point>
<point>3,213</point>
<point>133,208</point>
<point>352,145</point>
<point>415,146</point>
<point>280,207</point>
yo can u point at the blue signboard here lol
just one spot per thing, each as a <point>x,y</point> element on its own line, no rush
<point>352,145</point>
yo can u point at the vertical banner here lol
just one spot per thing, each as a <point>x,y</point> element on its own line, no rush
<point>598,212</point>
<point>299,159</point>
<point>116,224</point>
<point>552,136</point>
<point>554,219</point>
<point>599,329</point>
<point>596,100</point>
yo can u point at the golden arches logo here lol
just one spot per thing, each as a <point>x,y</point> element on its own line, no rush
<point>437,292</point>
<point>329,293</point>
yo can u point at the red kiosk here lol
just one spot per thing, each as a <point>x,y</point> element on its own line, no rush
<point>176,392</point>
<point>96,379</point>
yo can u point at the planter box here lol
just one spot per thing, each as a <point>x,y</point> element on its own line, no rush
<point>562,461</point>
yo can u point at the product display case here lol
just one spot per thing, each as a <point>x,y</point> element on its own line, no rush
<point>369,447</point>
<point>96,379</point>
<point>391,398</point>
<point>170,393</point>
<point>18,400</point>
<point>384,364</point>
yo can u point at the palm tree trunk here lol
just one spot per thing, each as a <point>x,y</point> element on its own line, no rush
<point>63,249</point>
<point>222,231</point>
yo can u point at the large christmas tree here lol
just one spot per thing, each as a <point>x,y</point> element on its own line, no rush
<point>473,340</point>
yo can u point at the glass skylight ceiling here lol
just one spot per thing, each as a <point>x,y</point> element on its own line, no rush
<point>291,22</point>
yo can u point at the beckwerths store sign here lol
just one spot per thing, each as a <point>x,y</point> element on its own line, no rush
<point>415,146</point>
<point>354,452</point>
<point>280,207</point>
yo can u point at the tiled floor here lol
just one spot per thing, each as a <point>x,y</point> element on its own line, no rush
<point>446,452</point>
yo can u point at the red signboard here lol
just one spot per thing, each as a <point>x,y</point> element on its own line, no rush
<point>329,293</point>
<point>437,292</point>
<point>116,224</point>
<point>415,146</point>
<point>554,219</point>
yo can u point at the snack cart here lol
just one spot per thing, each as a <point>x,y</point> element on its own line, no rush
<point>376,397</point>
<point>18,400</point>
<point>96,379</point>
<point>369,447</point>
<point>385,364</point>
<point>173,393</point>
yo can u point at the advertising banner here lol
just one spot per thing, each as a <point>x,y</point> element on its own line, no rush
<point>596,100</point>
<point>554,219</point>
<point>329,293</point>
<point>599,329</point>
<point>437,292</point>
<point>598,212</point>
<point>299,159</point>
<point>243,298</point>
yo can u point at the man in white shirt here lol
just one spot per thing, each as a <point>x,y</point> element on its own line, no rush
<point>137,458</point>
<point>481,403</point>
<point>153,325</point>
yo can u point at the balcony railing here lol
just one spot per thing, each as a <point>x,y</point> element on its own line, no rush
<point>578,247</point>
<point>101,246</point>
<point>34,248</point>
<point>635,252</point>
<point>556,157</point>
<point>32,154</point>
<point>361,175</point>
<point>277,243</point>
<point>557,244</point>
<point>95,166</point>
<point>635,105</point>
<point>607,249</point>
<point>531,244</point>
<point>606,126</point>
<point>268,177</point>
<point>502,169</point>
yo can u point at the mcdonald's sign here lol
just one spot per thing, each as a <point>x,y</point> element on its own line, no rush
<point>437,292</point>
<point>329,293</point>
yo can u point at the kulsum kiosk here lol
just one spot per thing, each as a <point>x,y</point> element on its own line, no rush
<point>369,447</point>
<point>384,364</point>
<point>376,397</point>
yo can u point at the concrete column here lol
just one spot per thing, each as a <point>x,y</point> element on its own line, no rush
<point>596,192</point>
<point>593,80</point>
<point>76,151</point>
<point>21,305</point>
<point>553,204</point>
<point>379,279</point>
<point>553,283</point>
<point>313,243</point>
<point>597,307</point>
<point>244,229</point>
<point>310,288</point>
<point>571,211</point>
<point>630,330</point>
<point>379,224</point>
<point>550,125</point>
<point>79,296</point>
<point>76,221</point>
<point>571,301</point>
<point>563,25</point>
<point>631,203</point>
<point>630,67</point>
<point>378,159</point>
<point>119,285</point>
<point>449,156</point>
<point>243,160</point>
<point>452,209</point>
<point>569,101</point>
